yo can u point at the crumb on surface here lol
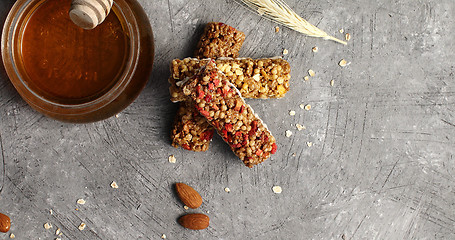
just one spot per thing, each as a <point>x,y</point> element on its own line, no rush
<point>288,133</point>
<point>47,226</point>
<point>82,226</point>
<point>292,113</point>
<point>308,107</point>
<point>300,127</point>
<point>58,231</point>
<point>341,30</point>
<point>309,144</point>
<point>114,185</point>
<point>12,236</point>
<point>332,82</point>
<point>315,49</point>
<point>277,189</point>
<point>302,106</point>
<point>285,51</point>
<point>226,189</point>
<point>342,63</point>
<point>311,73</point>
<point>306,78</point>
<point>277,29</point>
<point>163,236</point>
<point>81,201</point>
<point>186,207</point>
<point>172,159</point>
<point>348,36</point>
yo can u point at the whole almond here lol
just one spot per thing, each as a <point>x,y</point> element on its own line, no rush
<point>5,223</point>
<point>188,195</point>
<point>195,221</point>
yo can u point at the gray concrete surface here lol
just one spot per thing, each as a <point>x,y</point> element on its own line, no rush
<point>381,165</point>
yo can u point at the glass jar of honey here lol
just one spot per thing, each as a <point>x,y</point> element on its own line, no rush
<point>72,74</point>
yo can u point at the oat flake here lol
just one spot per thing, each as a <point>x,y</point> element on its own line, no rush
<point>172,159</point>
<point>114,185</point>
<point>47,226</point>
<point>288,133</point>
<point>82,226</point>
<point>277,189</point>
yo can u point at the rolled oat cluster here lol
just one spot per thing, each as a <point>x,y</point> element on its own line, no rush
<point>219,101</point>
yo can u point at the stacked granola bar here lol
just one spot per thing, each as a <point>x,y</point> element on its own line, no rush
<point>211,94</point>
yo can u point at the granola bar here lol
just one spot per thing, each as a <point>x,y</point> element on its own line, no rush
<point>191,131</point>
<point>219,40</point>
<point>224,108</point>
<point>255,78</point>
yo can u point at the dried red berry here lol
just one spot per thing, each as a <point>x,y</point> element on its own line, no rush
<point>274,148</point>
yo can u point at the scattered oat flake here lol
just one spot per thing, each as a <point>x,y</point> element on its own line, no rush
<point>81,201</point>
<point>292,113</point>
<point>12,236</point>
<point>307,107</point>
<point>163,236</point>
<point>58,231</point>
<point>288,133</point>
<point>332,82</point>
<point>47,226</point>
<point>300,127</point>
<point>82,226</point>
<point>306,78</point>
<point>172,159</point>
<point>285,51</point>
<point>227,189</point>
<point>348,36</point>
<point>315,49</point>
<point>277,29</point>
<point>309,144</point>
<point>186,207</point>
<point>277,189</point>
<point>342,63</point>
<point>311,72</point>
<point>341,30</point>
<point>302,106</point>
<point>114,185</point>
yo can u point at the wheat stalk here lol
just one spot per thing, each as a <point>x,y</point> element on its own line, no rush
<point>279,12</point>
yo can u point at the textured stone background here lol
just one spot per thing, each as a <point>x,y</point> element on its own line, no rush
<point>381,166</point>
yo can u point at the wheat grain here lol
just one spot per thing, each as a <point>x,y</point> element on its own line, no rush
<point>279,12</point>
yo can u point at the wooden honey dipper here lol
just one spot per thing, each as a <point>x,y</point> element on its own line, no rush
<point>88,14</point>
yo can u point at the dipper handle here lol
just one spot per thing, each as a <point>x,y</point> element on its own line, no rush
<point>88,14</point>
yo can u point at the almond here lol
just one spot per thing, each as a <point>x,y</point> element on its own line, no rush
<point>188,195</point>
<point>195,221</point>
<point>5,223</point>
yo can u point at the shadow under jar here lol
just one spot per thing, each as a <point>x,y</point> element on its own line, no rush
<point>76,75</point>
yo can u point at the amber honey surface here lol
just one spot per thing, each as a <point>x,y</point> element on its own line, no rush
<point>66,62</point>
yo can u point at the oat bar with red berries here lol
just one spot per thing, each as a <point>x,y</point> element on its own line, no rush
<point>219,40</point>
<point>191,131</point>
<point>222,105</point>
<point>255,78</point>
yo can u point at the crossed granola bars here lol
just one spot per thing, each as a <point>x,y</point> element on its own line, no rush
<point>260,78</point>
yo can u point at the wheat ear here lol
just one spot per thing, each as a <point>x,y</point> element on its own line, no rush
<point>279,12</point>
